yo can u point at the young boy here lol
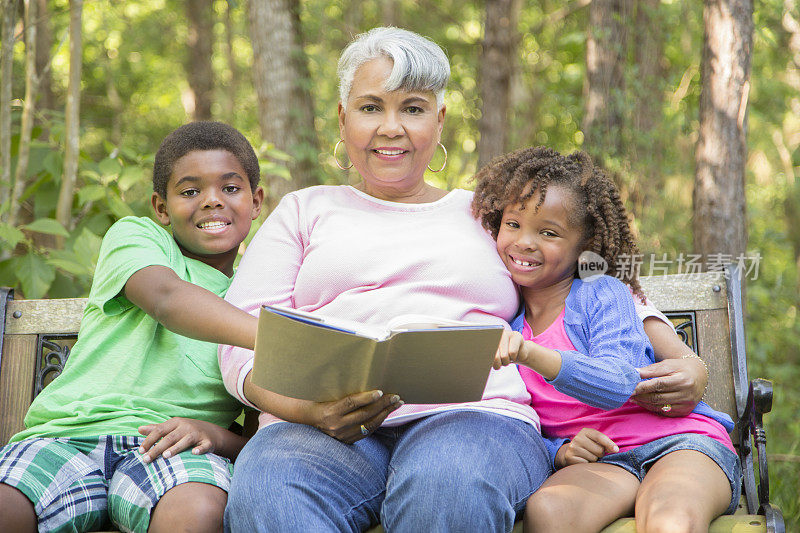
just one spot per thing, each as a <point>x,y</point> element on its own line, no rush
<point>82,459</point>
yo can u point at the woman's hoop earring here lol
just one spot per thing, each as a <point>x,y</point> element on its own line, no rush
<point>443,164</point>
<point>337,159</point>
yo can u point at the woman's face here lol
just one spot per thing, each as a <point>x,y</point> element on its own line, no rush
<point>390,135</point>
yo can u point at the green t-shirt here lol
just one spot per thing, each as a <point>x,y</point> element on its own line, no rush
<point>126,369</point>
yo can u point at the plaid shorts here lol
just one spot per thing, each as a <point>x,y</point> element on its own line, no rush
<point>79,484</point>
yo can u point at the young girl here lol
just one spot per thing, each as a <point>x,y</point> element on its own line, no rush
<point>578,344</point>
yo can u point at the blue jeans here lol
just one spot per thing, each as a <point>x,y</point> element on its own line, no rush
<point>454,471</point>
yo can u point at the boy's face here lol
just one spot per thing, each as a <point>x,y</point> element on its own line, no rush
<point>540,247</point>
<point>210,206</point>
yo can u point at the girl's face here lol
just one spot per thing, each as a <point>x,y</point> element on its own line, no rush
<point>390,135</point>
<point>541,248</point>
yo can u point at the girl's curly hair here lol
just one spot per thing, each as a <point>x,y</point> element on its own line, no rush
<point>517,177</point>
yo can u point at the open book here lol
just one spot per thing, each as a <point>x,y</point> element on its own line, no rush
<point>423,359</point>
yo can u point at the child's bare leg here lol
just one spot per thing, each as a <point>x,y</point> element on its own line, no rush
<point>195,507</point>
<point>683,491</point>
<point>581,497</point>
<point>16,510</point>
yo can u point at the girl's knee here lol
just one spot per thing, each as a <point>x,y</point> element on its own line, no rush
<point>659,518</point>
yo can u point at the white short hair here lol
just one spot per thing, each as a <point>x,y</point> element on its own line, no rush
<point>419,63</point>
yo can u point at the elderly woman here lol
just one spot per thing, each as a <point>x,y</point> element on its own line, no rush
<point>389,245</point>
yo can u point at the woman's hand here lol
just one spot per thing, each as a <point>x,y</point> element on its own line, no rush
<point>587,446</point>
<point>672,387</point>
<point>178,434</point>
<point>353,417</point>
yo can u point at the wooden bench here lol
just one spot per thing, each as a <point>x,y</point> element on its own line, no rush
<point>36,335</point>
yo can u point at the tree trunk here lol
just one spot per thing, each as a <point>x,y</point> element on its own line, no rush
<point>791,23</point>
<point>116,104</point>
<point>720,155</point>
<point>44,44</point>
<point>285,105</point>
<point>389,12</point>
<point>6,68</point>
<point>606,50</point>
<point>496,68</point>
<point>648,49</point>
<point>353,17</point>
<point>200,45</point>
<point>641,146</point>
<point>229,101</point>
<point>72,117</point>
<point>26,123</point>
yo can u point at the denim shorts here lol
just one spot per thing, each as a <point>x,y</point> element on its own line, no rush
<point>638,460</point>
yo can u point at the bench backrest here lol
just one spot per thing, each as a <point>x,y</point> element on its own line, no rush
<point>706,311</point>
<point>34,333</point>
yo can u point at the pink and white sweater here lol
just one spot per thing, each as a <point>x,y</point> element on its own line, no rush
<point>341,252</point>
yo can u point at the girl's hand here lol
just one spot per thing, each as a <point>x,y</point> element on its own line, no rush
<point>676,383</point>
<point>587,446</point>
<point>513,349</point>
<point>353,417</point>
<point>178,434</point>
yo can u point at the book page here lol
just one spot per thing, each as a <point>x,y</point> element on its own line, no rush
<point>371,331</point>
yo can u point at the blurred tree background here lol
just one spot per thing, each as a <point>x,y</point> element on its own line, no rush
<point>620,79</point>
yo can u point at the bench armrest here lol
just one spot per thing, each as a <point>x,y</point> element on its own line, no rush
<point>759,402</point>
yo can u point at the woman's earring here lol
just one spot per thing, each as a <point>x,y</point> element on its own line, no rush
<point>443,164</point>
<point>337,159</point>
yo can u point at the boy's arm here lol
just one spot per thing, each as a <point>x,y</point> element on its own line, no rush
<point>188,309</point>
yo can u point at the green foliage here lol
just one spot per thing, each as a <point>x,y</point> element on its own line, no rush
<point>43,258</point>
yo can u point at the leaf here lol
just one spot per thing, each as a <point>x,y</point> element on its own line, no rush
<point>87,248</point>
<point>129,153</point>
<point>34,274</point>
<point>118,207</point>
<point>46,201</point>
<point>91,193</point>
<point>109,167</point>
<point>8,276</point>
<point>10,235</point>
<point>276,170</point>
<point>53,163</point>
<point>47,225</point>
<point>269,150</point>
<point>129,177</point>
<point>91,174</point>
<point>68,261</point>
<point>33,187</point>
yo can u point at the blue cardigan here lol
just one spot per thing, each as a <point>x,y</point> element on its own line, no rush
<point>610,344</point>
